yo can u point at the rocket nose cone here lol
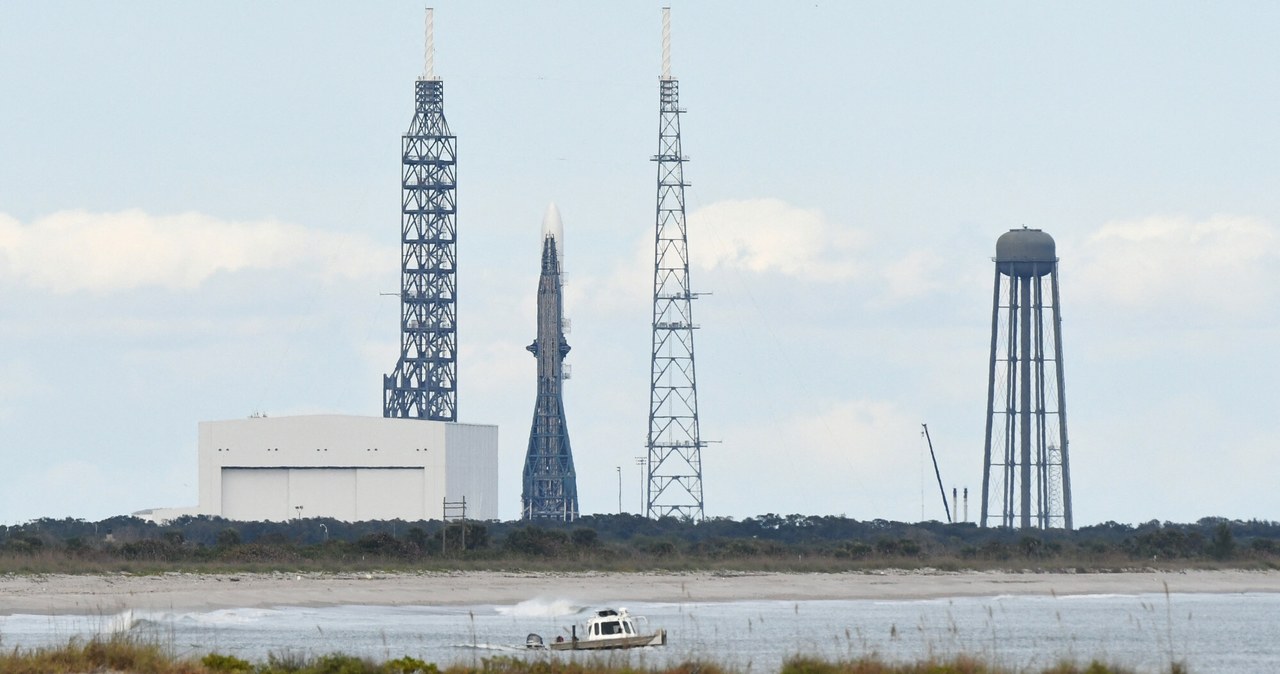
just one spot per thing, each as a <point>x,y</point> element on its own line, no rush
<point>551,225</point>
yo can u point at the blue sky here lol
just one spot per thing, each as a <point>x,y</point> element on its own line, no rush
<point>199,207</point>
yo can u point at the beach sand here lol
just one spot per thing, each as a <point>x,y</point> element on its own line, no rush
<point>103,594</point>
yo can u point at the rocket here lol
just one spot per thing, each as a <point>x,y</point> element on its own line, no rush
<point>550,338</point>
<point>550,484</point>
<point>553,228</point>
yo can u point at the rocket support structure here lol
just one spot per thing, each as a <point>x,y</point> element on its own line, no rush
<point>550,484</point>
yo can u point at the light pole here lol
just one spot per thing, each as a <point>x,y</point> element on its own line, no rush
<point>299,509</point>
<point>619,490</point>
<point>643,462</point>
<point>326,532</point>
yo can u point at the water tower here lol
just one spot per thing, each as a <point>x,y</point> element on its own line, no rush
<point>1026,481</point>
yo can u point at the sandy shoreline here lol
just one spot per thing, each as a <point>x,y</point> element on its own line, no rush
<point>108,594</point>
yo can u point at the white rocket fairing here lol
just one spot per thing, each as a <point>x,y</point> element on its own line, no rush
<point>553,227</point>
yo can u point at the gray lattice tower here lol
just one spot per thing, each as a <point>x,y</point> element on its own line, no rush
<point>550,484</point>
<point>675,444</point>
<point>1026,468</point>
<point>424,383</point>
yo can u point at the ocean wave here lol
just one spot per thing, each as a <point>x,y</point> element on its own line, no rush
<point>230,616</point>
<point>120,623</point>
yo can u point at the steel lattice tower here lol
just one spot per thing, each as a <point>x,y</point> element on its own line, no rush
<point>550,484</point>
<point>1026,468</point>
<point>424,383</point>
<point>675,444</point>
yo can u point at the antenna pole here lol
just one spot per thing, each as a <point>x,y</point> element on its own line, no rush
<point>429,56</point>
<point>666,43</point>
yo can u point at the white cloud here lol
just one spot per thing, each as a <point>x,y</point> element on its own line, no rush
<point>1223,264</point>
<point>914,275</point>
<point>772,236</point>
<point>626,289</point>
<point>858,457</point>
<point>79,251</point>
<point>19,380</point>
<point>496,368</point>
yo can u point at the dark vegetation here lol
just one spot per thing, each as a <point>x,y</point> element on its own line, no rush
<point>127,656</point>
<point>625,543</point>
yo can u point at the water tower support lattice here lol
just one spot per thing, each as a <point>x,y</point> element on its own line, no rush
<point>1026,481</point>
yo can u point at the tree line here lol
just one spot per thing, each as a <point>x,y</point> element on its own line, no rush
<point>771,541</point>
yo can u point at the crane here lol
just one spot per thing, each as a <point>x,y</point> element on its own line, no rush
<point>936,472</point>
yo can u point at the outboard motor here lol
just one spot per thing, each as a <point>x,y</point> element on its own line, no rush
<point>533,641</point>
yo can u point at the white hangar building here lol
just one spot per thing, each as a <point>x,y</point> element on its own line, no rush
<point>344,467</point>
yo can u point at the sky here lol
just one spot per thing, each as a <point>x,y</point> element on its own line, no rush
<point>199,218</point>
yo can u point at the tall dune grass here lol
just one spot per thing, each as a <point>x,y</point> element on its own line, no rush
<point>129,655</point>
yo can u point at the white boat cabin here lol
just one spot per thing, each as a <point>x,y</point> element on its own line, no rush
<point>610,624</point>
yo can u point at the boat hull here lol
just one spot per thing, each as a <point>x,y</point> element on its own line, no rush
<point>658,638</point>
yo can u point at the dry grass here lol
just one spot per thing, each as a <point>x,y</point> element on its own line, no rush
<point>126,655</point>
<point>956,665</point>
<point>116,654</point>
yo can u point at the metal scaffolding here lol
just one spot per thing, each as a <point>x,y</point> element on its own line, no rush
<point>550,483</point>
<point>674,485</point>
<point>424,383</point>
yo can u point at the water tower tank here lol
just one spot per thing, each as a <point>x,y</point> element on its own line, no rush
<point>1025,252</point>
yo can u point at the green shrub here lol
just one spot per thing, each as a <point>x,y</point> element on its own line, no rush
<point>802,665</point>
<point>408,665</point>
<point>337,663</point>
<point>225,663</point>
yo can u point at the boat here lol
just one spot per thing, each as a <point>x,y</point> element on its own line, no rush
<point>607,629</point>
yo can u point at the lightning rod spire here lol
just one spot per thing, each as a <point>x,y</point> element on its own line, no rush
<point>666,43</point>
<point>429,68</point>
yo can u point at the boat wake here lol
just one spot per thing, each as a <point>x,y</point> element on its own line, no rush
<point>492,647</point>
<point>541,607</point>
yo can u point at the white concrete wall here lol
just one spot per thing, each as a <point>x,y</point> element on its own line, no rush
<point>471,470</point>
<point>345,467</point>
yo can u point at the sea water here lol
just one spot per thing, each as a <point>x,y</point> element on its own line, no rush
<point>1208,632</point>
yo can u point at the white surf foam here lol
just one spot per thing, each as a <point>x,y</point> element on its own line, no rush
<point>119,623</point>
<point>540,607</point>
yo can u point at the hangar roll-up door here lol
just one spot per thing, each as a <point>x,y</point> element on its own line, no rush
<point>255,494</point>
<point>349,494</point>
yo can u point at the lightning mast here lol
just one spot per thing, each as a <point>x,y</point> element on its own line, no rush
<point>675,445</point>
<point>424,383</point>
